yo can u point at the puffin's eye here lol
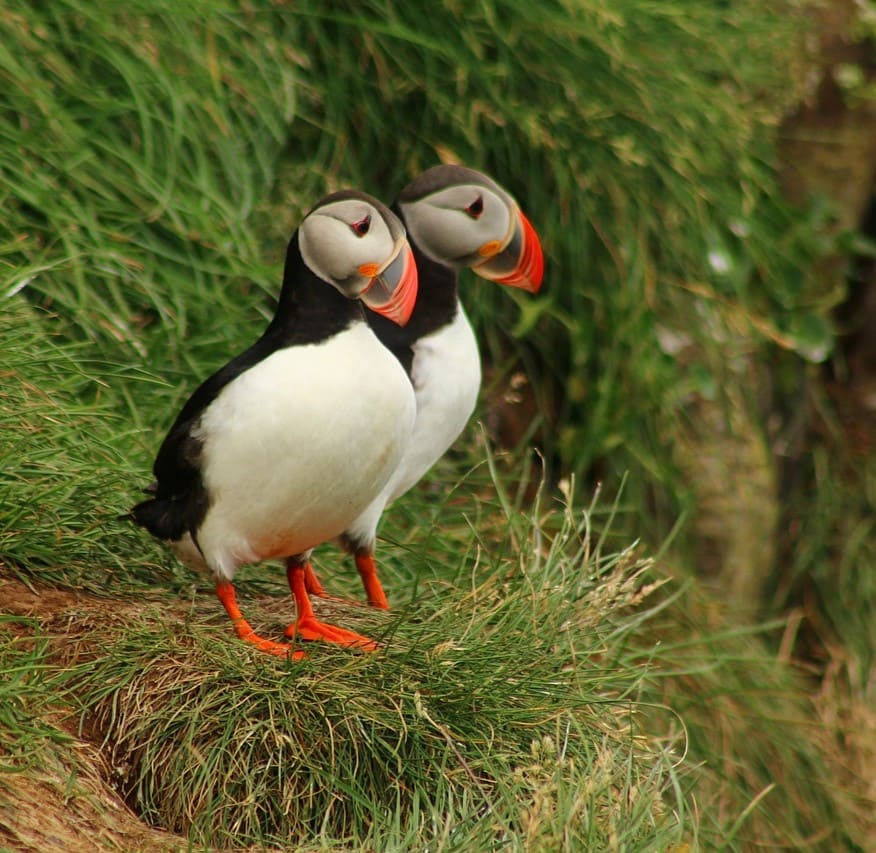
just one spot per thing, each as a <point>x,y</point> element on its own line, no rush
<point>361,228</point>
<point>476,208</point>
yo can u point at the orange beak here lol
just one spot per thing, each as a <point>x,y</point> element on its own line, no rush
<point>520,263</point>
<point>392,292</point>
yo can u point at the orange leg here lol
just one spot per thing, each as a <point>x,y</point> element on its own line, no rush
<point>307,626</point>
<point>368,572</point>
<point>226,594</point>
<point>314,587</point>
<point>311,581</point>
<point>373,590</point>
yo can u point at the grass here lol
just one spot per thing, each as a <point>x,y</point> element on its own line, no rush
<point>540,689</point>
<point>496,712</point>
<point>534,690</point>
<point>66,465</point>
<point>746,717</point>
<point>41,763</point>
<point>829,578</point>
<point>129,196</point>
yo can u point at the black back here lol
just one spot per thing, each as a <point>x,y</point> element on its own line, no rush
<point>309,311</point>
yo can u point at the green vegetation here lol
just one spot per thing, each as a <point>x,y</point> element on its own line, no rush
<point>543,685</point>
<point>474,723</point>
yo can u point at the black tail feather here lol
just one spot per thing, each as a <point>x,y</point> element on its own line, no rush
<point>164,518</point>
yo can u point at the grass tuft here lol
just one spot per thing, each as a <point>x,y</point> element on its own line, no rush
<point>494,713</point>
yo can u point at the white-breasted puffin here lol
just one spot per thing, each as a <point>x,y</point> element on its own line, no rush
<point>287,444</point>
<point>455,218</point>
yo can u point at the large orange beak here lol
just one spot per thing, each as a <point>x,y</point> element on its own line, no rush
<point>392,291</point>
<point>520,263</point>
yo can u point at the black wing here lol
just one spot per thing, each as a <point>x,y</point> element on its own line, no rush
<point>309,311</point>
<point>180,500</point>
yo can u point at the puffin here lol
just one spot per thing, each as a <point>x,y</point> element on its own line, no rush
<point>291,441</point>
<point>455,218</point>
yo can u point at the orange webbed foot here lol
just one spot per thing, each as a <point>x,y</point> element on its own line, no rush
<point>307,626</point>
<point>271,647</point>
<point>312,629</point>
<point>225,593</point>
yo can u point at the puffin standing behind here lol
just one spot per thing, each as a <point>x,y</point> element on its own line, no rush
<point>287,444</point>
<point>455,217</point>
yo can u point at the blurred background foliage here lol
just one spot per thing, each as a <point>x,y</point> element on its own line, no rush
<point>155,158</point>
<point>155,161</point>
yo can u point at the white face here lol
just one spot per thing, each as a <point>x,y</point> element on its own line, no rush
<point>461,224</point>
<point>345,242</point>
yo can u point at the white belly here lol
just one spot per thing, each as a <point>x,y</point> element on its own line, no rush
<point>299,445</point>
<point>446,374</point>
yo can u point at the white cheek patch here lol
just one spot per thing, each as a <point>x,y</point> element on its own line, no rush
<point>334,252</point>
<point>440,226</point>
<point>434,229</point>
<point>324,251</point>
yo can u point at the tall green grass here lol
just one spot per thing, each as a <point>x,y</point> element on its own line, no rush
<point>67,461</point>
<point>155,164</point>
<point>137,148</point>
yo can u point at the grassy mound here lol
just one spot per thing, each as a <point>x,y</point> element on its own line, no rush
<point>500,709</point>
<point>539,690</point>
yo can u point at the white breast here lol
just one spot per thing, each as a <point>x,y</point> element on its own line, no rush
<point>299,445</point>
<point>446,374</point>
